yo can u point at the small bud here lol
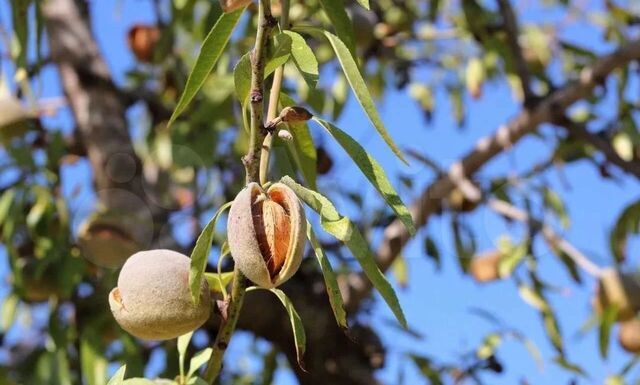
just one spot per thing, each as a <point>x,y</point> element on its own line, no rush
<point>267,235</point>
<point>295,114</point>
<point>285,135</point>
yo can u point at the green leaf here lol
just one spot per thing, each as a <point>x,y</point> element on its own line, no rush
<point>359,87</point>
<point>337,14</point>
<point>5,203</point>
<point>373,171</point>
<point>215,281</point>
<point>242,78</point>
<point>280,55</point>
<point>200,254</point>
<point>296,325</point>
<point>488,346</point>
<point>305,155</point>
<point>553,201</point>
<point>9,311</point>
<point>183,344</point>
<point>364,3</point>
<point>118,377</point>
<point>138,381</point>
<point>607,320</point>
<point>628,223</point>
<point>330,281</point>
<point>304,58</point>
<point>570,366</point>
<point>19,12</point>
<point>212,48</point>
<point>343,229</point>
<point>198,360</point>
<point>427,369</point>
<point>94,365</point>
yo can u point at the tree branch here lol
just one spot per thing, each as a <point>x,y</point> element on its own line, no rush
<point>396,236</point>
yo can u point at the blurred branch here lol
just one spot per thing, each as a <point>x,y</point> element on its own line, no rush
<point>555,241</point>
<point>579,131</point>
<point>527,121</point>
<point>512,32</point>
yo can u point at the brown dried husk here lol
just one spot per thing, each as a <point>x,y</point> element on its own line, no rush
<point>153,300</point>
<point>485,267</point>
<point>267,232</point>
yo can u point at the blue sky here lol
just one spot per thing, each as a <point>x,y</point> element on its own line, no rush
<point>437,303</point>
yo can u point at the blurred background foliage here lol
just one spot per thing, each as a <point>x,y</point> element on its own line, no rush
<point>66,224</point>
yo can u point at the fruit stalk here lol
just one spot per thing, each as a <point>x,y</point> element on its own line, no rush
<point>227,327</point>
<point>251,163</point>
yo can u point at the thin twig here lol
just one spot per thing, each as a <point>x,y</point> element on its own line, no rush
<point>507,210</point>
<point>274,98</point>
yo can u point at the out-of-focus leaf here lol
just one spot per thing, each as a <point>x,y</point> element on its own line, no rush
<point>608,318</point>
<point>210,52</point>
<point>305,155</point>
<point>431,251</point>
<point>304,58</point>
<point>512,258</point>
<point>94,365</point>
<point>553,201</point>
<point>39,208</point>
<point>400,271</point>
<point>200,254</point>
<point>269,366</point>
<point>337,14</point>
<point>183,344</point>
<point>299,336</point>
<point>5,203</point>
<point>8,312</point>
<point>333,290</point>
<point>138,381</point>
<point>364,3</point>
<point>343,229</point>
<point>198,360</point>
<point>20,23</point>
<point>623,145</point>
<point>464,242</point>
<point>426,368</point>
<point>488,346</point>
<point>628,223</point>
<point>359,87</point>
<point>474,77</point>
<point>118,377</point>
<point>570,366</point>
<point>373,171</point>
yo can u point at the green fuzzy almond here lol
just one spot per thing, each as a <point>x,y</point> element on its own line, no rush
<point>153,301</point>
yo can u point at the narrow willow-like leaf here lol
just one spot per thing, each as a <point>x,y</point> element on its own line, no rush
<point>93,364</point>
<point>8,312</point>
<point>20,18</point>
<point>359,87</point>
<point>333,290</point>
<point>304,58</point>
<point>306,158</point>
<point>373,171</point>
<point>198,360</point>
<point>299,336</point>
<point>183,344</point>
<point>337,14</point>
<point>200,254</point>
<point>118,377</point>
<point>242,70</point>
<point>400,271</point>
<point>607,320</point>
<point>343,229</point>
<point>216,281</point>
<point>212,48</point>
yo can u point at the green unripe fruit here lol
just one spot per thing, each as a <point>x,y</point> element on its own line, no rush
<point>153,300</point>
<point>267,232</point>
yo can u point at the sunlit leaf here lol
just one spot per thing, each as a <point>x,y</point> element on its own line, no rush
<point>343,229</point>
<point>200,254</point>
<point>488,346</point>
<point>337,14</point>
<point>118,377</point>
<point>359,87</point>
<point>94,365</point>
<point>210,52</point>
<point>198,360</point>
<point>373,171</point>
<point>216,281</point>
<point>304,58</point>
<point>305,150</point>
<point>400,271</point>
<point>183,344</point>
<point>333,290</point>
<point>8,312</point>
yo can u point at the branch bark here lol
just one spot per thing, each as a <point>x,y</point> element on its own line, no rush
<point>526,122</point>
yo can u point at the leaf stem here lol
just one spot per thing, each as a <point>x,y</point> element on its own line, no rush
<point>274,98</point>
<point>227,327</point>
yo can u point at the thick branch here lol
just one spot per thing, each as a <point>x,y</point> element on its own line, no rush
<point>430,202</point>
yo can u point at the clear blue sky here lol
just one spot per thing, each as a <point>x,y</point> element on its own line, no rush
<point>437,303</point>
